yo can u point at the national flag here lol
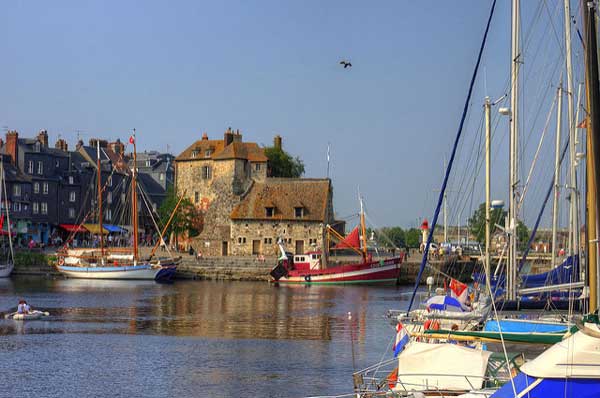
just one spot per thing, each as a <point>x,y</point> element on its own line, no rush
<point>131,140</point>
<point>402,338</point>
<point>582,124</point>
<point>459,290</point>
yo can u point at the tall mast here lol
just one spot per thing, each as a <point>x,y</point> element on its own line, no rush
<point>363,227</point>
<point>99,197</point>
<point>556,173</point>
<point>445,210</point>
<point>574,206</point>
<point>134,209</point>
<point>488,203</point>
<point>514,124</point>
<point>593,145</point>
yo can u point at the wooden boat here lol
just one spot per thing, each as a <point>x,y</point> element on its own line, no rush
<point>312,267</point>
<point>117,263</point>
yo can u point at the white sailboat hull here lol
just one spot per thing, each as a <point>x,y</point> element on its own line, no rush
<point>5,270</point>
<point>133,272</point>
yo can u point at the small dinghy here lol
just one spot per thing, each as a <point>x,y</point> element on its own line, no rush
<point>26,317</point>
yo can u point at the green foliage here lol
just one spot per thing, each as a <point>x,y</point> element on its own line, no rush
<point>187,220</point>
<point>390,237</point>
<point>282,164</point>
<point>522,235</point>
<point>477,221</point>
<point>413,238</point>
<point>29,258</point>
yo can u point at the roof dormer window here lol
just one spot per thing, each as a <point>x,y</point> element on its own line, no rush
<point>207,153</point>
<point>195,153</point>
<point>299,211</point>
<point>148,163</point>
<point>269,211</point>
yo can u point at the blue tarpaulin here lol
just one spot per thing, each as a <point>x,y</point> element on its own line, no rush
<point>113,228</point>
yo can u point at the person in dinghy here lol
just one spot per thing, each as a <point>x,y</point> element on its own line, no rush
<point>23,307</point>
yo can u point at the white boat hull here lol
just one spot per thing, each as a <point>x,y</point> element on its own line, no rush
<point>139,272</point>
<point>5,270</point>
<point>33,315</point>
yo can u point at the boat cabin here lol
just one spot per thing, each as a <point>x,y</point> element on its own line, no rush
<point>308,261</point>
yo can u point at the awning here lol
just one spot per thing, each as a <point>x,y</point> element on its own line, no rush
<point>94,228</point>
<point>113,228</point>
<point>72,228</point>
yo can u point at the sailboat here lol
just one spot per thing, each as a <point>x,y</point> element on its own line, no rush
<point>7,264</point>
<point>117,263</point>
<point>312,267</point>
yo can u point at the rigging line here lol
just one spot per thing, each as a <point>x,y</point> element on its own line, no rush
<point>537,153</point>
<point>154,222</point>
<point>449,168</point>
<point>537,222</point>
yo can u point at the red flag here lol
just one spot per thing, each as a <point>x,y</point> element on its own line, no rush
<point>459,290</point>
<point>131,140</point>
<point>582,124</point>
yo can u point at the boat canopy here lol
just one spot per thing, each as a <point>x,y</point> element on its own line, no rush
<point>72,228</point>
<point>113,228</point>
<point>447,367</point>
<point>94,228</point>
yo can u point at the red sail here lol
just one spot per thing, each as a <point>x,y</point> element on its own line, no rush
<point>352,240</point>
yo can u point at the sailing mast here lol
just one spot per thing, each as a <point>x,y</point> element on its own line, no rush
<point>514,107</point>
<point>134,209</point>
<point>488,204</point>
<point>363,228</point>
<point>593,146</point>
<point>100,198</point>
<point>556,173</point>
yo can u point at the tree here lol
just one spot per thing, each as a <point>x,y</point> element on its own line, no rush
<point>282,164</point>
<point>188,220</point>
<point>522,235</point>
<point>413,238</point>
<point>477,221</point>
<point>390,237</point>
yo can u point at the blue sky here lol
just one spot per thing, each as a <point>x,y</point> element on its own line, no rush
<point>174,70</point>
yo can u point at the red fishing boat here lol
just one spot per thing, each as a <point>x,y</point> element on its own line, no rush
<point>315,268</point>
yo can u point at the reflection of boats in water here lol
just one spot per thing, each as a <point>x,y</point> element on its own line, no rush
<point>77,285</point>
<point>116,263</point>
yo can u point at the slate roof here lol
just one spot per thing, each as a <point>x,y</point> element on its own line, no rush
<point>236,150</point>
<point>284,194</point>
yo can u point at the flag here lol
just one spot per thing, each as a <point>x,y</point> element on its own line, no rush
<point>459,290</point>
<point>131,140</point>
<point>328,151</point>
<point>401,339</point>
<point>582,124</point>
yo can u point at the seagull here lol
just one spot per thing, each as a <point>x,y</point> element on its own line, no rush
<point>346,64</point>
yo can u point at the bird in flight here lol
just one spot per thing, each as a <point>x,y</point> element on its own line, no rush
<point>346,64</point>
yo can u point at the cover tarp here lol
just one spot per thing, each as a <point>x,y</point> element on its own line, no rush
<point>424,366</point>
<point>352,240</point>
<point>522,326</point>
<point>113,228</point>
<point>72,228</point>
<point>94,228</point>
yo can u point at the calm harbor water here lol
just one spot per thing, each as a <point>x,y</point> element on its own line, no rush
<point>191,339</point>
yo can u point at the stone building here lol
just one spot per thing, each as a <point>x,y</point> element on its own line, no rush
<point>215,175</point>
<point>292,209</point>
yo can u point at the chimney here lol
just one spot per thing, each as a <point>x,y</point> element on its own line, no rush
<point>12,144</point>
<point>43,138</point>
<point>277,142</point>
<point>62,145</point>
<point>237,137</point>
<point>79,144</point>
<point>94,142</point>
<point>117,147</point>
<point>228,137</point>
<point>204,137</point>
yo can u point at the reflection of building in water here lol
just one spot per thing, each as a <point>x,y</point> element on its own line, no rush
<point>250,310</point>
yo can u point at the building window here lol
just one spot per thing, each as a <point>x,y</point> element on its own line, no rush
<point>36,187</point>
<point>45,188</point>
<point>37,147</point>
<point>207,153</point>
<point>299,212</point>
<point>109,197</point>
<point>57,163</point>
<point>195,153</point>
<point>71,212</point>
<point>17,206</point>
<point>161,176</point>
<point>44,208</point>
<point>148,163</point>
<point>30,167</point>
<point>108,214</point>
<point>35,207</point>
<point>312,242</point>
<point>71,180</point>
<point>269,211</point>
<point>206,172</point>
<point>72,196</point>
<point>154,207</point>
<point>241,240</point>
<point>196,197</point>
<point>16,190</point>
<point>40,169</point>
<point>257,167</point>
<point>268,241</point>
